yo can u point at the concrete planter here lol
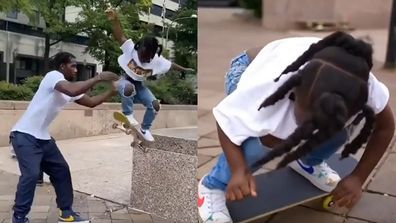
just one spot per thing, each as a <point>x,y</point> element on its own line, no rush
<point>164,179</point>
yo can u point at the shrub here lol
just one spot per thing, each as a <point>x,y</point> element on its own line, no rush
<point>33,82</point>
<point>14,92</point>
<point>170,89</point>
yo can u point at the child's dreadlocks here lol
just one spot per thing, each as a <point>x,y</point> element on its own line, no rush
<point>331,88</point>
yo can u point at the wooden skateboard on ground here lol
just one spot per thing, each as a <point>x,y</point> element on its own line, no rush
<point>282,189</point>
<point>124,125</point>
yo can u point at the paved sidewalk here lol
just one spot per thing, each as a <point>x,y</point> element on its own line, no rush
<point>226,35</point>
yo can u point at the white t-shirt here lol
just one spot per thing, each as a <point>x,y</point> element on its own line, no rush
<point>238,114</point>
<point>44,107</point>
<point>130,63</point>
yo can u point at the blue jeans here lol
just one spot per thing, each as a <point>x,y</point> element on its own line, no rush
<point>143,95</point>
<point>238,66</point>
<point>252,148</point>
<point>34,155</point>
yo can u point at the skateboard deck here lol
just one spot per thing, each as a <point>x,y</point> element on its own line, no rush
<point>282,189</point>
<point>124,125</point>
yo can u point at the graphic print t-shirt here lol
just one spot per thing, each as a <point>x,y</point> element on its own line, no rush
<point>130,63</point>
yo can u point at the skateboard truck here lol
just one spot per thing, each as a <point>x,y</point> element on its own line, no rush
<point>136,141</point>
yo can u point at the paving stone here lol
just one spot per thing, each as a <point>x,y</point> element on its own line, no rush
<point>261,171</point>
<point>141,218</point>
<point>210,151</point>
<point>122,221</point>
<point>96,206</point>
<point>7,197</point>
<point>119,211</point>
<point>99,215</point>
<point>376,208</point>
<point>43,209</point>
<point>212,135</point>
<point>5,206</point>
<point>302,215</point>
<point>203,170</point>
<point>317,204</point>
<point>354,220</point>
<point>37,215</point>
<point>38,220</point>
<point>206,124</point>
<point>206,142</point>
<point>385,179</point>
<point>120,216</point>
<point>100,221</point>
<point>43,200</point>
<point>202,159</point>
<point>202,112</point>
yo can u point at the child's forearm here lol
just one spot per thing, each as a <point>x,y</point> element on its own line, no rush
<point>232,152</point>
<point>177,67</point>
<point>377,144</point>
<point>117,31</point>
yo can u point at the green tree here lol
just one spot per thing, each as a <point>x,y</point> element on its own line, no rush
<point>11,5</point>
<point>101,45</point>
<point>184,34</point>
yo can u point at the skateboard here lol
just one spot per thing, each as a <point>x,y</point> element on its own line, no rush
<point>324,25</point>
<point>124,125</point>
<point>284,188</point>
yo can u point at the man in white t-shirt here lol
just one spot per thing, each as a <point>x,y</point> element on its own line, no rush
<point>140,60</point>
<point>36,150</point>
<point>247,133</point>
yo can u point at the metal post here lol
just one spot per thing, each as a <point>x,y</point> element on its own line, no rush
<point>7,55</point>
<point>390,61</point>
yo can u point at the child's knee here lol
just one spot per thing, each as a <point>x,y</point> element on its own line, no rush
<point>156,105</point>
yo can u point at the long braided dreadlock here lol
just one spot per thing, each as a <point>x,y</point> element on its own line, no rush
<point>332,88</point>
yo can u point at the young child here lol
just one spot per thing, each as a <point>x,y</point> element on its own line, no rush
<point>325,89</point>
<point>36,150</point>
<point>140,60</point>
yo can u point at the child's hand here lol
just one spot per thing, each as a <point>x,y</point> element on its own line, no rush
<point>111,14</point>
<point>242,184</point>
<point>347,192</point>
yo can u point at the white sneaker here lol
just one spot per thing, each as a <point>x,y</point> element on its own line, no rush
<point>212,205</point>
<point>132,120</point>
<point>147,135</point>
<point>322,176</point>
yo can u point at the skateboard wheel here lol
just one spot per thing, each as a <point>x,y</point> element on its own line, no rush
<point>114,126</point>
<point>328,202</point>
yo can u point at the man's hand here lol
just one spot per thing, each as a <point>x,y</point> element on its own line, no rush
<point>347,192</point>
<point>111,14</point>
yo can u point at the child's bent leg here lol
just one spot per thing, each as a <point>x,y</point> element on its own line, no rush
<point>220,174</point>
<point>326,149</point>
<point>238,66</point>
<point>126,102</point>
<point>147,98</point>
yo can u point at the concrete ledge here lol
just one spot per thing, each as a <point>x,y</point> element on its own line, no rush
<point>79,121</point>
<point>163,179</point>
